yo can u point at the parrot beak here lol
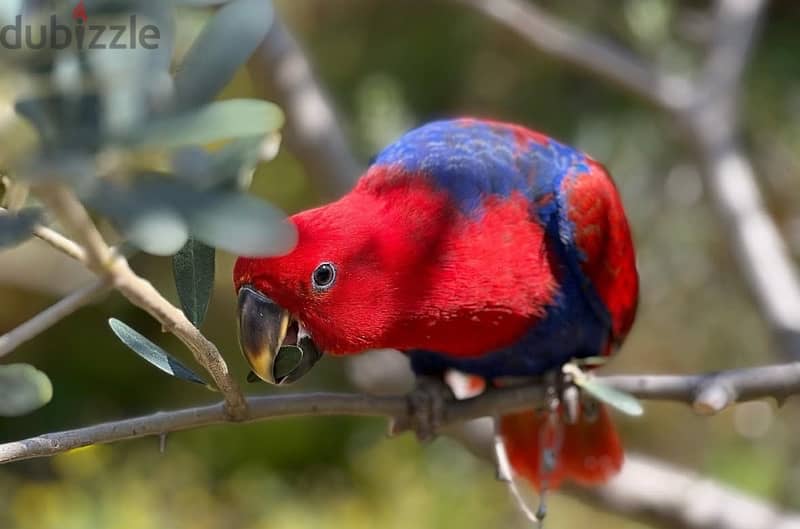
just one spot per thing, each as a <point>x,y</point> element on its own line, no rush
<point>277,347</point>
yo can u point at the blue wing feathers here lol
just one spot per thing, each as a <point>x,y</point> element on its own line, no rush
<point>473,160</point>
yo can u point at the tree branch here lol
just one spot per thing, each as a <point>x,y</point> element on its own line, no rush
<point>657,492</point>
<point>735,28</point>
<point>63,244</point>
<point>739,385</point>
<point>141,293</point>
<point>52,315</point>
<point>560,41</point>
<point>280,69</point>
<point>758,244</point>
<point>677,497</point>
<point>114,268</point>
<point>711,393</point>
<point>712,121</point>
<point>74,216</point>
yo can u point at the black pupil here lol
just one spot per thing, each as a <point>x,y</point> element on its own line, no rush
<point>323,275</point>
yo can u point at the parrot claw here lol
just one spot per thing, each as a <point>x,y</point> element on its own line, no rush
<point>427,405</point>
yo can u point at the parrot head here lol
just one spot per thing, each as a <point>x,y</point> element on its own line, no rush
<point>338,290</point>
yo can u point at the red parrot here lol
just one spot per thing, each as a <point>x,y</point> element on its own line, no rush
<point>470,245</point>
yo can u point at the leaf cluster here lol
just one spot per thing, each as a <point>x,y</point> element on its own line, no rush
<point>138,136</point>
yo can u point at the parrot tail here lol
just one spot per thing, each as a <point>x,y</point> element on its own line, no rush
<point>587,452</point>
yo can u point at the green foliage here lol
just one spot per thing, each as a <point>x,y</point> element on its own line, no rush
<point>152,353</point>
<point>243,225</point>
<point>615,398</point>
<point>23,389</point>
<point>215,56</point>
<point>211,123</point>
<point>131,139</point>
<point>193,268</point>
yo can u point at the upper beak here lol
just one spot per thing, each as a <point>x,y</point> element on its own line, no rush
<point>263,329</point>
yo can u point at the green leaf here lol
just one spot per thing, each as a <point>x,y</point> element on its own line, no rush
<point>624,402</point>
<point>23,388</point>
<point>232,35</point>
<point>152,353</point>
<point>129,79</point>
<point>287,359</point>
<point>193,267</point>
<point>17,227</point>
<point>157,231</point>
<point>233,165</point>
<point>228,168</point>
<point>230,221</point>
<point>65,123</point>
<point>243,225</point>
<point>222,120</point>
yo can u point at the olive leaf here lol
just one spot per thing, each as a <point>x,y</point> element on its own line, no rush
<point>157,231</point>
<point>228,168</point>
<point>231,221</point>
<point>221,120</point>
<point>152,353</point>
<point>226,42</point>
<point>193,268</point>
<point>244,225</point>
<point>23,389</point>
<point>621,401</point>
<point>287,360</point>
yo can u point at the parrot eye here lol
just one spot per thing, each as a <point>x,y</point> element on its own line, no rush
<point>324,276</point>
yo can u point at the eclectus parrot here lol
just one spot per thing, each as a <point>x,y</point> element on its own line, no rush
<point>470,245</point>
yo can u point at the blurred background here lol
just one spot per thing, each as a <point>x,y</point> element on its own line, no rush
<point>388,66</point>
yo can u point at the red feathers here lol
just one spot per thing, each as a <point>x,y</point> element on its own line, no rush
<point>602,234</point>
<point>590,450</point>
<point>412,273</point>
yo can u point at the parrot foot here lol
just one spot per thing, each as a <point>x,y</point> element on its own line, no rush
<point>427,404</point>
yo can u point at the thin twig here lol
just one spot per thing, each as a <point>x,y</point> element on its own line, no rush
<point>141,293</point>
<point>52,315</point>
<point>61,243</point>
<point>102,260</point>
<point>260,408</point>
<point>505,473</point>
<point>744,384</point>
<point>75,217</point>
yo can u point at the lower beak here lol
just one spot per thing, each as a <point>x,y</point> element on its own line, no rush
<point>263,329</point>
